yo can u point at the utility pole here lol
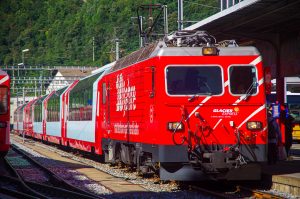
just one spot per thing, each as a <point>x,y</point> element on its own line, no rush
<point>117,49</point>
<point>93,49</point>
<point>117,42</point>
<point>17,99</point>
<point>13,86</point>
<point>23,61</point>
<point>23,95</point>
<point>42,88</point>
<point>141,37</point>
<point>34,87</point>
<point>180,14</point>
<point>166,29</point>
<point>140,23</point>
<point>19,69</point>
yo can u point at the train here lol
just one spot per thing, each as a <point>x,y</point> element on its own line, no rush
<point>188,108</point>
<point>4,113</point>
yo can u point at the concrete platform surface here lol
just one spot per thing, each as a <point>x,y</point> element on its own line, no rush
<point>285,175</point>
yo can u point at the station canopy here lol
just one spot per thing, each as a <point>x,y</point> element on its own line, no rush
<point>273,26</point>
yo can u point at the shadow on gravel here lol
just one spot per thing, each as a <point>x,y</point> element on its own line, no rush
<point>52,164</point>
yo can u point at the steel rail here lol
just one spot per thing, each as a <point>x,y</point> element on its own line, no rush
<point>86,154</point>
<point>54,192</point>
<point>55,179</point>
<point>209,192</point>
<point>259,194</point>
<point>41,145</point>
<point>12,187</point>
<point>24,186</point>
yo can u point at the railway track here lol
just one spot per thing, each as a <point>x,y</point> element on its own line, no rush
<point>209,191</point>
<point>14,188</point>
<point>84,168</point>
<point>259,194</point>
<point>239,192</point>
<point>53,186</point>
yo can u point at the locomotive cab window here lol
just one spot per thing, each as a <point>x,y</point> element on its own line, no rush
<point>243,80</point>
<point>194,80</point>
<point>3,100</point>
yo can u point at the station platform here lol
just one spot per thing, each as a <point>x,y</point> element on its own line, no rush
<point>284,176</point>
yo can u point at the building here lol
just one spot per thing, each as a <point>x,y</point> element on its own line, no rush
<point>64,77</point>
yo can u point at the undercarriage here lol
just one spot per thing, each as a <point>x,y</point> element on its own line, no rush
<point>215,165</point>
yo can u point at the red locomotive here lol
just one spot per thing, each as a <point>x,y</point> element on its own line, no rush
<point>188,109</point>
<point>4,113</point>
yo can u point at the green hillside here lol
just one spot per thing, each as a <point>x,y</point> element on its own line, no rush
<point>60,32</point>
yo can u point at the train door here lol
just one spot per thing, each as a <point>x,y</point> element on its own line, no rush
<point>105,112</point>
<point>4,119</point>
<point>67,115</point>
<point>152,93</point>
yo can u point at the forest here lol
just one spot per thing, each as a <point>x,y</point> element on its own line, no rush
<point>65,33</point>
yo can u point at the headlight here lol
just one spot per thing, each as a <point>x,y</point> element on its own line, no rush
<point>254,125</point>
<point>175,126</point>
<point>209,51</point>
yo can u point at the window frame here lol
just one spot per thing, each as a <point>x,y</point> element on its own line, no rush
<point>256,74</point>
<point>194,65</point>
<point>38,108</point>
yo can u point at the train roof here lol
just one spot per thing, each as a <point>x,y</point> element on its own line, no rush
<point>59,92</point>
<point>197,51</point>
<point>21,107</point>
<point>105,67</point>
<point>41,98</point>
<point>98,72</point>
<point>161,49</point>
<point>2,72</point>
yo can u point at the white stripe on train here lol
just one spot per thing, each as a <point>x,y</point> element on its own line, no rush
<point>197,107</point>
<point>254,62</point>
<point>3,80</point>
<point>252,114</point>
<point>217,124</point>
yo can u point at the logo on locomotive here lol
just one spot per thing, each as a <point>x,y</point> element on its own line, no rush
<point>226,111</point>
<point>126,95</point>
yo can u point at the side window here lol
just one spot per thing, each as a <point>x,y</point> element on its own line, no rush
<point>242,80</point>
<point>49,111</point>
<point>21,114</point>
<point>40,112</point>
<point>35,113</point>
<point>104,93</point>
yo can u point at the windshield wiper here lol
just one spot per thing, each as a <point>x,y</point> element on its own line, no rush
<point>249,90</point>
<point>198,94</point>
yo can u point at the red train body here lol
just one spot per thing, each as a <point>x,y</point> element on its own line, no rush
<point>4,113</point>
<point>178,111</point>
